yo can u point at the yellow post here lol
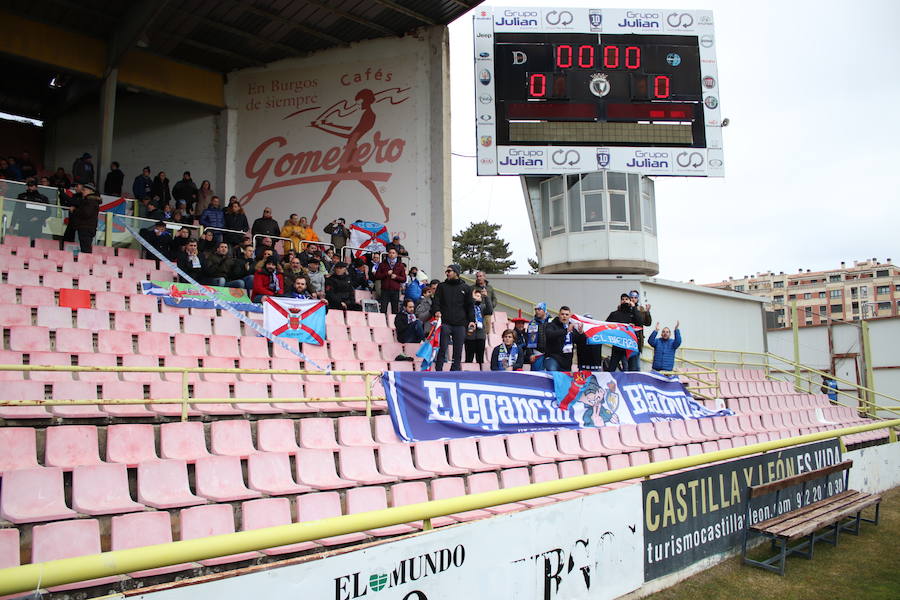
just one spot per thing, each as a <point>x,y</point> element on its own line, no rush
<point>184,395</point>
<point>107,237</point>
<point>426,525</point>
<point>795,328</point>
<point>870,371</point>
<point>368,396</point>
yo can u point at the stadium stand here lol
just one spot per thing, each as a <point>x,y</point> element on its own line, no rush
<point>132,467</point>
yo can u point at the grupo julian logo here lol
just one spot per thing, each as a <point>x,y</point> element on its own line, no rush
<point>485,98</point>
<point>706,41</point>
<point>709,82</point>
<point>487,140</point>
<point>559,18</point>
<point>640,20</point>
<point>484,77</point>
<point>523,157</point>
<point>689,159</point>
<point>595,18</point>
<point>603,158</point>
<point>679,20</point>
<point>518,18</point>
<point>711,102</point>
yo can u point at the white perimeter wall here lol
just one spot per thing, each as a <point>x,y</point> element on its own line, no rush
<point>709,318</point>
<point>884,338</point>
<point>164,134</point>
<point>288,148</point>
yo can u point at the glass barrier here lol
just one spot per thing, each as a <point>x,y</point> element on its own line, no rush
<point>33,219</point>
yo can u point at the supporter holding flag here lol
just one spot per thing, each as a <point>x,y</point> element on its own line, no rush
<point>642,319</point>
<point>299,290</point>
<point>536,337</point>
<point>507,356</point>
<point>664,347</point>
<point>618,359</point>
<point>453,305</point>
<point>562,334</point>
<point>618,335</point>
<point>268,280</point>
<point>590,356</point>
<point>409,327</point>
<point>430,348</point>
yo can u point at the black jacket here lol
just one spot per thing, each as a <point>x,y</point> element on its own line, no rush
<point>163,242</point>
<point>627,313</point>
<point>184,264</point>
<point>160,189</point>
<point>216,265</point>
<point>264,226</point>
<point>113,183</point>
<point>556,338</point>
<point>241,267</point>
<point>237,222</point>
<point>185,190</point>
<point>87,210</point>
<point>338,289</point>
<point>453,299</point>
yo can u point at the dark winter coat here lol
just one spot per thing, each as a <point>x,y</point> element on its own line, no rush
<point>453,299</point>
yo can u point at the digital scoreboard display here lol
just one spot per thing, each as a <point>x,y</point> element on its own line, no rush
<point>563,90</point>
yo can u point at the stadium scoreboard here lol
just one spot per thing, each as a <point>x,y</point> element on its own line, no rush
<point>568,90</point>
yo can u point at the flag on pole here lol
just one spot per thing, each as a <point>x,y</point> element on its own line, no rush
<point>368,235</point>
<point>302,320</point>
<point>621,335</point>
<point>429,348</point>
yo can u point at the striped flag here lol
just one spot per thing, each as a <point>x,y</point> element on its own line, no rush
<point>621,335</point>
<point>429,348</point>
<point>368,235</point>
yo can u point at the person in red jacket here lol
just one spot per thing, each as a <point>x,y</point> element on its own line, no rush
<point>268,281</point>
<point>392,273</point>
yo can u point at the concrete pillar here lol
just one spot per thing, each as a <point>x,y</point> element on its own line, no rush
<point>107,124</point>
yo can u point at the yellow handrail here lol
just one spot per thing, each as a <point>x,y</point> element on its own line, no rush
<point>59,572</point>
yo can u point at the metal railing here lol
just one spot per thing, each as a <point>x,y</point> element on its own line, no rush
<point>185,398</point>
<point>273,238</point>
<point>223,230</point>
<point>58,572</point>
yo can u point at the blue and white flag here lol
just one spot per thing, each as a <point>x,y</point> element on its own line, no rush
<point>432,406</point>
<point>368,235</point>
<point>297,319</point>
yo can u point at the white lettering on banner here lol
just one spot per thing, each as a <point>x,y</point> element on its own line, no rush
<point>644,399</point>
<point>492,406</point>
<point>587,548</point>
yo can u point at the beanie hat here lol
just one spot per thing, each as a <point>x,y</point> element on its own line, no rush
<point>455,268</point>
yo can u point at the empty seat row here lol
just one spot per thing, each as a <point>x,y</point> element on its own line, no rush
<point>139,269</point>
<point>56,279</point>
<point>777,403</point>
<point>19,243</point>
<point>734,389</point>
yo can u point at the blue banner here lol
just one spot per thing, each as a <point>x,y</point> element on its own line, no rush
<point>431,406</point>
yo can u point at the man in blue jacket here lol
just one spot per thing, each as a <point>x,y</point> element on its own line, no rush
<point>664,348</point>
<point>214,216</point>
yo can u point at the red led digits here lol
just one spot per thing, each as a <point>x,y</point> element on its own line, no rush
<point>611,57</point>
<point>537,85</point>
<point>661,86</point>
<point>564,57</point>
<point>586,57</point>
<point>632,57</point>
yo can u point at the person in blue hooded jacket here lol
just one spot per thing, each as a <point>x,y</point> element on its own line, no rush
<point>664,347</point>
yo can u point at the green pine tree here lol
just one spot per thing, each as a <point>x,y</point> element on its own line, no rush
<point>533,265</point>
<point>480,248</point>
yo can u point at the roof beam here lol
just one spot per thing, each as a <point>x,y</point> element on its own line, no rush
<point>249,7</point>
<point>127,31</point>
<point>290,50</point>
<point>351,17</point>
<point>406,11</point>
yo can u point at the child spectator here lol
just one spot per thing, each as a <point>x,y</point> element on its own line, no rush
<point>507,356</point>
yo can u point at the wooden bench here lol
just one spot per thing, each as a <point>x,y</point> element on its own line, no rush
<point>841,511</point>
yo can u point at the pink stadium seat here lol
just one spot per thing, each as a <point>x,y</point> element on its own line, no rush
<point>76,390</point>
<point>41,265</point>
<point>432,456</point>
<point>9,548</point>
<point>550,472</point>
<point>355,431</point>
<point>121,343</point>
<point>95,320</point>
<point>10,358</point>
<point>346,365</point>
<point>570,443</point>
<point>596,464</point>
<point>318,433</point>
<point>130,444</point>
<point>463,453</point>
<point>518,477</point>
<point>355,319</point>
<point>54,317</point>
<point>184,441</point>
<point>337,332</point>
<point>545,445</point>
<point>69,446</point>
<point>154,343</point>
<point>23,390</point>
<point>220,479</point>
<point>324,505</point>
<point>19,448</point>
<point>609,437</point>
<point>144,304</point>
<point>29,339</point>
<point>181,362</point>
<point>102,490</point>
<point>287,390</point>
<point>46,244</point>
<point>224,346</point>
<point>92,283</point>
<point>628,435</point>
<point>217,362</point>
<point>20,277</point>
<point>416,492</point>
<point>383,335</point>
<point>247,390</point>
<point>15,315</point>
<point>125,286</point>
<point>384,431</point>
<point>33,495</point>
<point>316,353</point>
<point>8,294</point>
<point>276,435</point>
<point>280,352</point>
<point>493,452</point>
<point>106,271</point>
<point>163,484</point>
<point>232,438</point>
<point>395,460</point>
<point>521,449</point>
<point>17,241</point>
<point>226,325</point>
<point>254,347</point>
<point>315,468</point>
<point>110,301</point>
<point>488,482</point>
<point>660,454</point>
<point>189,344</point>
<point>376,320</point>
<point>368,351</point>
<point>124,390</point>
<point>205,521</point>
<point>358,464</point>
<point>56,280</point>
<point>68,539</point>
<point>453,487</point>
<point>166,322</point>
<point>255,363</point>
<point>100,360</point>
<point>145,529</point>
<point>366,499</point>
<point>74,341</point>
<point>271,512</point>
<point>35,296</point>
<point>470,367</point>
<point>270,473</point>
<point>52,359</point>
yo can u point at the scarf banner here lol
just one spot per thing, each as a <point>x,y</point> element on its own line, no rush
<point>431,406</point>
<point>185,295</point>
<point>302,320</point>
<point>604,332</point>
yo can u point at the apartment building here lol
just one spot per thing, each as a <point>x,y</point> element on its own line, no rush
<point>867,289</point>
